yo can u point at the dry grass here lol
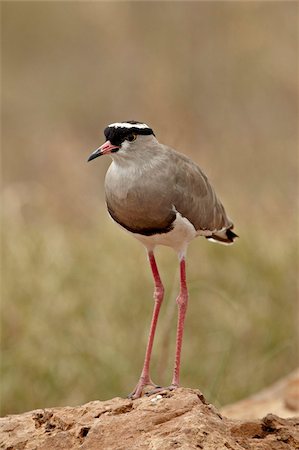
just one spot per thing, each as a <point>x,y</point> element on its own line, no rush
<point>77,310</point>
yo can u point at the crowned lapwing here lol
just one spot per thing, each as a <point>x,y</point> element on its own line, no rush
<point>160,197</point>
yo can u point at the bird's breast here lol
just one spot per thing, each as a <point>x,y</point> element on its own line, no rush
<point>136,200</point>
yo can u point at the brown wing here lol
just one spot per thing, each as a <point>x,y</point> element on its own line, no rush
<point>194,197</point>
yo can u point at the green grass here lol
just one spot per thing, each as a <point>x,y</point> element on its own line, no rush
<point>77,306</point>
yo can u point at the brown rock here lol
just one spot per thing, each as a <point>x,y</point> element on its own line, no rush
<point>281,398</point>
<point>179,419</point>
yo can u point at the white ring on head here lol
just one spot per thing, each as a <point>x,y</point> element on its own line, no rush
<point>127,125</point>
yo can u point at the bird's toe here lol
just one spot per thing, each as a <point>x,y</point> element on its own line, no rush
<point>140,389</point>
<point>160,389</point>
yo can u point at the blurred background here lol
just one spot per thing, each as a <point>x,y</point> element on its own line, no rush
<point>219,82</point>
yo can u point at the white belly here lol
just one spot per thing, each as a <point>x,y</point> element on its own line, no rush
<point>178,238</point>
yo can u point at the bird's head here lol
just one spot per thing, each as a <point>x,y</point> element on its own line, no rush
<point>123,137</point>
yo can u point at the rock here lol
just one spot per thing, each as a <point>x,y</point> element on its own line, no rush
<point>281,398</point>
<point>181,419</point>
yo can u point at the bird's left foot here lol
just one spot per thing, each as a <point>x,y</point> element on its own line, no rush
<point>140,388</point>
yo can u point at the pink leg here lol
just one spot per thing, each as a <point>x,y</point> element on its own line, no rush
<point>158,298</point>
<point>182,302</point>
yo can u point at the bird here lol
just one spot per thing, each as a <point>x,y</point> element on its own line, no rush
<point>161,197</point>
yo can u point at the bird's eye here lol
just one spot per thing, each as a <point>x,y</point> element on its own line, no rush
<point>132,137</point>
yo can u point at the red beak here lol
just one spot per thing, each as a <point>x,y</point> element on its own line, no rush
<point>107,147</point>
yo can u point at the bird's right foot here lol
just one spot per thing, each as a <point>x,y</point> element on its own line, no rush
<point>159,389</point>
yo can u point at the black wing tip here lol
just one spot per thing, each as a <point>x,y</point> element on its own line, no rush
<point>231,235</point>
<point>227,239</point>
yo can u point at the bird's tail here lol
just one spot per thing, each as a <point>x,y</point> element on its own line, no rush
<point>223,237</point>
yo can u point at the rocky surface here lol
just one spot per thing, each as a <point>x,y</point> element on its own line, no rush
<point>281,398</point>
<point>180,419</point>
